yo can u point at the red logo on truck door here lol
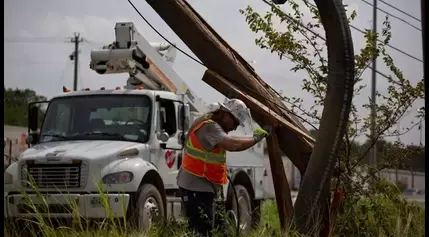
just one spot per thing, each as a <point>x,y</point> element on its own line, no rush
<point>170,158</point>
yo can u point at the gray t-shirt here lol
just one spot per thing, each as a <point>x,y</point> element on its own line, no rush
<point>209,135</point>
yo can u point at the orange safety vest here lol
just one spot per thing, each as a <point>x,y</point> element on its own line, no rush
<point>207,164</point>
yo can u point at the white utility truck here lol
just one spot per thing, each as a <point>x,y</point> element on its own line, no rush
<point>125,143</point>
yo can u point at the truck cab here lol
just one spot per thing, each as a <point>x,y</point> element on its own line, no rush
<point>121,146</point>
<point>100,141</point>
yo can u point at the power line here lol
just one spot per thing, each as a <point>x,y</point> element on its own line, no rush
<point>162,36</point>
<point>394,16</point>
<point>359,30</point>
<point>399,10</point>
<point>92,42</point>
<point>63,73</point>
<point>36,40</point>
<point>390,46</point>
<point>353,27</point>
<point>283,106</point>
<point>31,62</point>
<point>44,40</point>
<point>82,81</point>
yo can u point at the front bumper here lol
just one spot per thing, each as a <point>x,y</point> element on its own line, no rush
<point>66,205</point>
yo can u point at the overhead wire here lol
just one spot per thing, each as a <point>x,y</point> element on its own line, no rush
<point>80,77</point>
<point>351,26</point>
<point>355,28</point>
<point>36,40</point>
<point>63,72</point>
<point>29,62</point>
<point>401,11</point>
<point>394,16</point>
<point>276,92</point>
<point>162,36</point>
<point>283,107</point>
<point>390,46</point>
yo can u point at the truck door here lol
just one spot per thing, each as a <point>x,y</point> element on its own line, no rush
<point>168,160</point>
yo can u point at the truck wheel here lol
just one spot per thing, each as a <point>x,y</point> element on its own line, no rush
<point>245,208</point>
<point>149,207</point>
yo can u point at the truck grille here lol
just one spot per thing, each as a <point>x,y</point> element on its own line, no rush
<point>53,175</point>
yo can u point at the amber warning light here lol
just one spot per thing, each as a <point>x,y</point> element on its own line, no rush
<point>65,89</point>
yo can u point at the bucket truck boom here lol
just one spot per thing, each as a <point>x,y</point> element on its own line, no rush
<point>148,65</point>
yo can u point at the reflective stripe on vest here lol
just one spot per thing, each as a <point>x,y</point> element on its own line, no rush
<point>202,163</point>
<point>212,158</point>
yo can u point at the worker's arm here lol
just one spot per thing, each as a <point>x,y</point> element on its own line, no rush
<point>212,136</point>
<point>231,143</point>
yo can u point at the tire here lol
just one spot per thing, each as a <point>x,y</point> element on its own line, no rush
<point>245,205</point>
<point>148,207</point>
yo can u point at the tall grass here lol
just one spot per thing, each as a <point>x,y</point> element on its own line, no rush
<point>376,216</point>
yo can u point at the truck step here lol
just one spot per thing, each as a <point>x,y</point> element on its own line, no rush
<point>174,207</point>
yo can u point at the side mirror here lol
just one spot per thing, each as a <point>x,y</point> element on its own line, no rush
<point>33,118</point>
<point>184,117</point>
<point>32,139</point>
<point>163,136</point>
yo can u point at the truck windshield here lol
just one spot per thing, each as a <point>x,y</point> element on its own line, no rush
<point>98,117</point>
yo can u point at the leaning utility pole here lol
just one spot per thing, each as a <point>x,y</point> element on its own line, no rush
<point>75,56</point>
<point>232,76</point>
<point>219,57</point>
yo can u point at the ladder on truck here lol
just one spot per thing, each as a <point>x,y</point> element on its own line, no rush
<point>148,65</point>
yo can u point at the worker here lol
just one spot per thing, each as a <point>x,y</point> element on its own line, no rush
<point>203,170</point>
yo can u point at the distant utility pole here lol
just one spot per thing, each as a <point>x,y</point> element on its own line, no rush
<point>373,153</point>
<point>423,18</point>
<point>75,56</point>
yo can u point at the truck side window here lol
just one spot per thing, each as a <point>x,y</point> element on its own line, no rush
<point>57,122</point>
<point>168,122</point>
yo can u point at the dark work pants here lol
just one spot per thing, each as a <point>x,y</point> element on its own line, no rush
<point>199,210</point>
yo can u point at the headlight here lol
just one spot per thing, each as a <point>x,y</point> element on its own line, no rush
<point>8,178</point>
<point>118,178</point>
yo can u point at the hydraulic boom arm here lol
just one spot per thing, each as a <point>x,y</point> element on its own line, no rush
<point>148,65</point>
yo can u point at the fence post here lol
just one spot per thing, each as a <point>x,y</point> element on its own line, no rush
<point>10,152</point>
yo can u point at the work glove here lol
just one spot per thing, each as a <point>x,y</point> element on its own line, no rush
<point>259,134</point>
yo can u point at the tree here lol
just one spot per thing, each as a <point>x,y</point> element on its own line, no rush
<point>299,43</point>
<point>16,105</point>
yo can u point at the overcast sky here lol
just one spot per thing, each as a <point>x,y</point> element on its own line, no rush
<point>42,64</point>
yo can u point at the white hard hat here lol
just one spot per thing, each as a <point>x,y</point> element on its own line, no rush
<point>214,106</point>
<point>237,108</point>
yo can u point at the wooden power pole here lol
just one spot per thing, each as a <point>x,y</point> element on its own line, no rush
<point>75,57</point>
<point>232,76</point>
<point>219,57</point>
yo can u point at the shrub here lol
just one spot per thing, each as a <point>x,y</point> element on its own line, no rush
<point>381,212</point>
